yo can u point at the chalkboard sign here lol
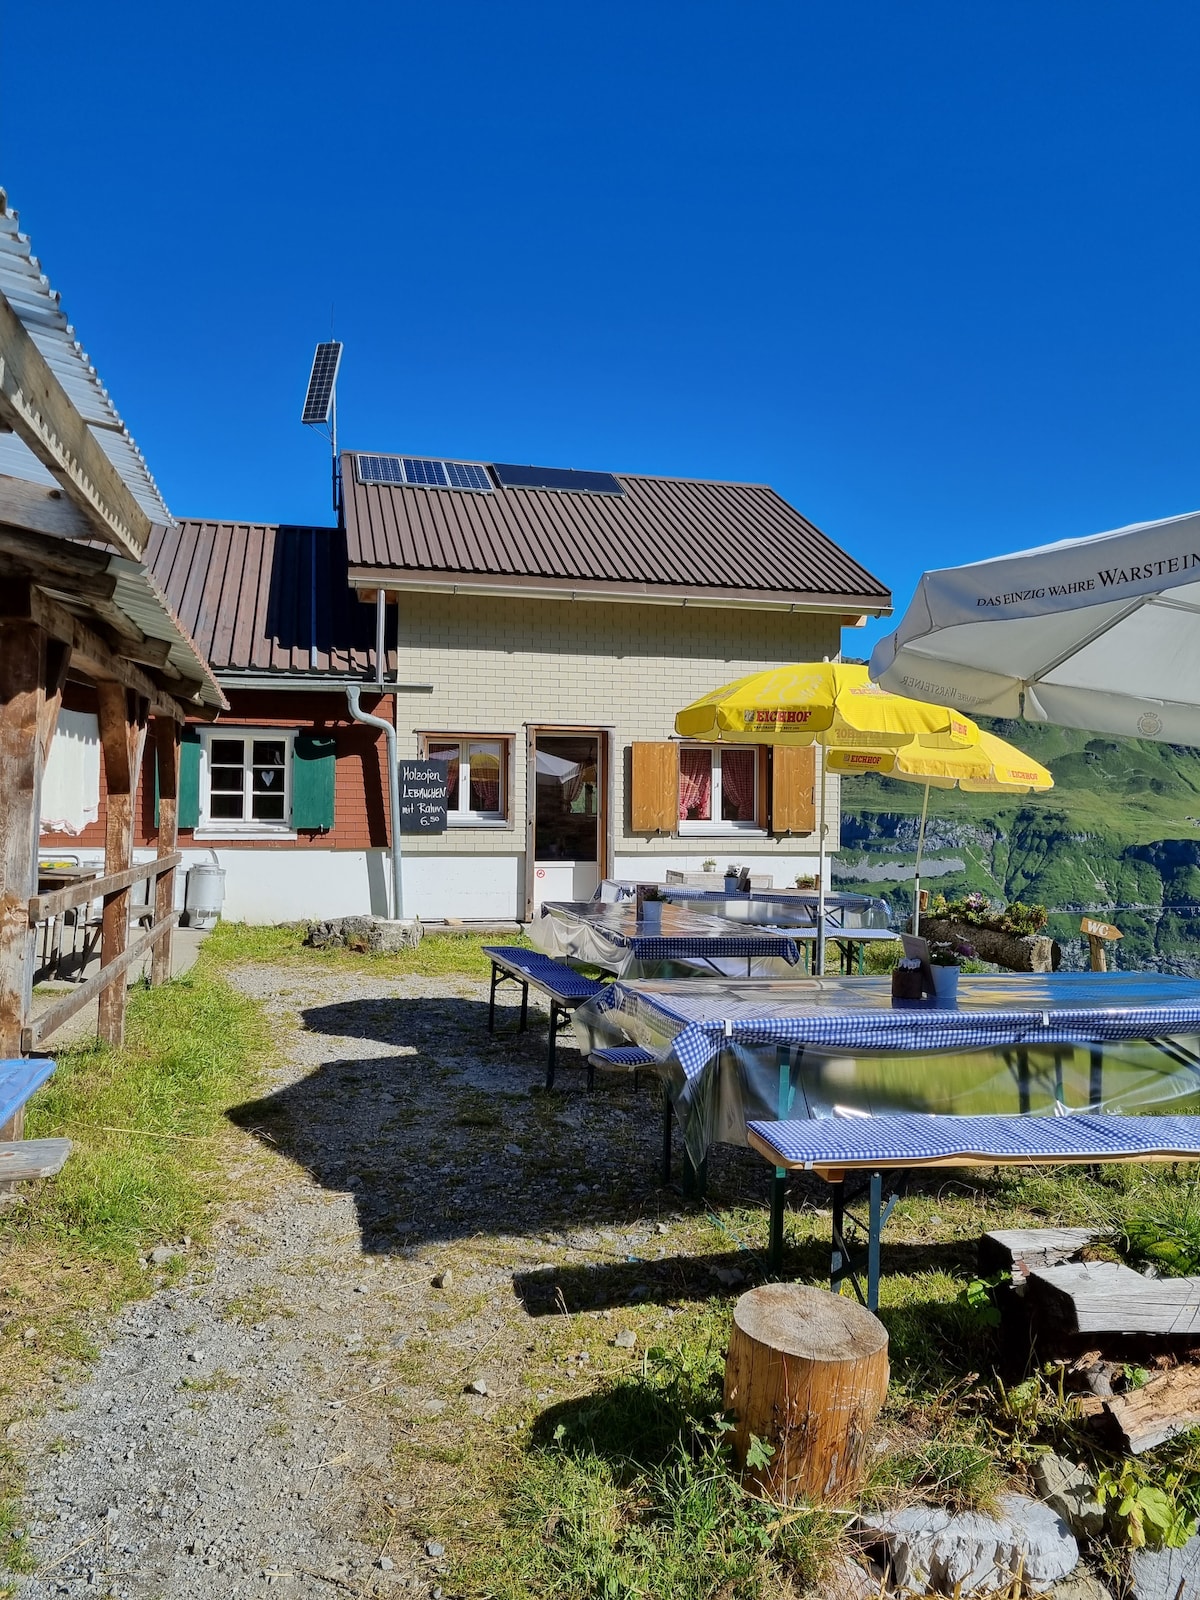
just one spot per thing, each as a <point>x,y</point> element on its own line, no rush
<point>423,790</point>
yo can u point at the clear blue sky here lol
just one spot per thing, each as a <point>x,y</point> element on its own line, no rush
<point>929,269</point>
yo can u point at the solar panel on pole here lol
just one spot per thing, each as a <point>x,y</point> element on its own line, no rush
<point>320,383</point>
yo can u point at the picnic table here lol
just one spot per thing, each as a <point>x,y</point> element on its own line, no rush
<point>667,940</point>
<point>733,1052</point>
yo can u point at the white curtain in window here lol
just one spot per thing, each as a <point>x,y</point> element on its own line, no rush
<point>71,780</point>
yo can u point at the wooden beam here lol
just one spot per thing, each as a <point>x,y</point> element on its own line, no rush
<point>70,586</point>
<point>122,736</point>
<point>22,690</point>
<point>166,750</point>
<point>54,1016</point>
<point>41,507</point>
<point>37,408</point>
<point>141,651</point>
<point>82,894</point>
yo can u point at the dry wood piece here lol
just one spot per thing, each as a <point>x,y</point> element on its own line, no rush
<point>1164,1406</point>
<point>1106,1297</point>
<point>1025,1250</point>
<point>1033,953</point>
<point>807,1372</point>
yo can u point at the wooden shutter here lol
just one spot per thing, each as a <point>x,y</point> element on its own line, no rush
<point>188,812</point>
<point>654,788</point>
<point>793,789</point>
<point>313,764</point>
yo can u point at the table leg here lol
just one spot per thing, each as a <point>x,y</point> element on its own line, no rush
<point>668,1117</point>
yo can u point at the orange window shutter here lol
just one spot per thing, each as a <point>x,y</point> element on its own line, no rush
<point>793,789</point>
<point>654,787</point>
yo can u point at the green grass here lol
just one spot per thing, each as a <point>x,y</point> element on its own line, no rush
<point>438,955</point>
<point>149,1166</point>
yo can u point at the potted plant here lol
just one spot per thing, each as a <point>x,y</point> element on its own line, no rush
<point>946,957</point>
<point>806,881</point>
<point>708,866</point>
<point>731,880</point>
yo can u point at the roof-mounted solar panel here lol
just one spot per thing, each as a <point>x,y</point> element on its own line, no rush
<point>423,472</point>
<point>320,383</point>
<point>513,477</point>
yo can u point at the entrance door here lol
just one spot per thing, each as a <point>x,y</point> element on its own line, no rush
<point>567,823</point>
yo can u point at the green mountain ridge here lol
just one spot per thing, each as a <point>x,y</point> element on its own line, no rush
<point>1118,837</point>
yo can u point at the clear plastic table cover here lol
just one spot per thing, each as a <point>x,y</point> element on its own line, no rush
<point>669,940</point>
<point>767,906</point>
<point>734,1052</point>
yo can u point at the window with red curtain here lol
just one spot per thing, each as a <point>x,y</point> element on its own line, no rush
<point>738,772</point>
<point>476,776</point>
<point>695,785</point>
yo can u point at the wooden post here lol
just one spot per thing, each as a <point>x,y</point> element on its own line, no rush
<point>22,693</point>
<point>122,733</point>
<point>166,746</point>
<point>806,1374</point>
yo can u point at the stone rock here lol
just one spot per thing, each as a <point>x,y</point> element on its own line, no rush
<point>1071,1491</point>
<point>162,1253</point>
<point>845,1579</point>
<point>434,1549</point>
<point>196,1355</point>
<point>1081,1586</point>
<point>626,1339</point>
<point>386,1563</point>
<point>1166,1574</point>
<point>477,1386</point>
<point>375,934</point>
<point>443,1280</point>
<point>936,1551</point>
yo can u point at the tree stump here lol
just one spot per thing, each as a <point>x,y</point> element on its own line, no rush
<point>807,1372</point>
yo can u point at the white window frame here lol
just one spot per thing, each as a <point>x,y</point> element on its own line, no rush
<point>462,816</point>
<point>716,825</point>
<point>210,827</point>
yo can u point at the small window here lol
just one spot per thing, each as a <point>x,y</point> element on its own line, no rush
<point>718,788</point>
<point>477,778</point>
<point>246,783</point>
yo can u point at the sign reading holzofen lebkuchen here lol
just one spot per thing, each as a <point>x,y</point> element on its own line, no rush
<point>424,790</point>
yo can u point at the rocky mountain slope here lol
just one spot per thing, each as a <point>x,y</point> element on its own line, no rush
<point>1118,838</point>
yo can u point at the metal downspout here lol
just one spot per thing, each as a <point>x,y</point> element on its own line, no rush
<point>389,733</point>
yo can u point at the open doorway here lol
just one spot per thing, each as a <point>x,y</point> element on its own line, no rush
<point>568,813</point>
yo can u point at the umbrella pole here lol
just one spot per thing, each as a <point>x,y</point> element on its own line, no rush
<point>821,878</point>
<point>916,916</point>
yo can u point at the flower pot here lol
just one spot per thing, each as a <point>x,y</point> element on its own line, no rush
<point>945,982</point>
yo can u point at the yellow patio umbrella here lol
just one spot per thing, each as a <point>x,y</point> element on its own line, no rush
<point>991,766</point>
<point>831,703</point>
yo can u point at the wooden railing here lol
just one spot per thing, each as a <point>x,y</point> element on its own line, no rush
<point>113,891</point>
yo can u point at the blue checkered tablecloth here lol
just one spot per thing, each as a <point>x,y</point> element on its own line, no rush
<point>850,1014</point>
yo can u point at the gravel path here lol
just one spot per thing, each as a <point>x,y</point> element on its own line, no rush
<point>289,1414</point>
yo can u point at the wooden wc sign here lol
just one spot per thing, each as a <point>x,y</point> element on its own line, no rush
<point>1098,935</point>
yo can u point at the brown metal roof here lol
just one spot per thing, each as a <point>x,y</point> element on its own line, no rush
<point>261,598</point>
<point>659,538</point>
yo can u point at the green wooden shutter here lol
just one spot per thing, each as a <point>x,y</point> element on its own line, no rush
<point>312,780</point>
<point>188,809</point>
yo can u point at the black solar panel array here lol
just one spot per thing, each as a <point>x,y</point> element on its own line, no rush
<point>320,382</point>
<point>514,477</point>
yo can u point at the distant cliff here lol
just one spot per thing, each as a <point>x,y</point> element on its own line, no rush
<point>1118,837</point>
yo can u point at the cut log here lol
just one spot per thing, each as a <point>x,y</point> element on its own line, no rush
<point>1164,1406</point>
<point>1093,1297</point>
<point>1025,1250</point>
<point>806,1374</point>
<point>24,1159</point>
<point>1034,953</point>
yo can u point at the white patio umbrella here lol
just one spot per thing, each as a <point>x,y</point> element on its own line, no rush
<point>1100,633</point>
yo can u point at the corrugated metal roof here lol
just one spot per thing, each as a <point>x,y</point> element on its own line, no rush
<point>27,289</point>
<point>660,537</point>
<point>260,597</point>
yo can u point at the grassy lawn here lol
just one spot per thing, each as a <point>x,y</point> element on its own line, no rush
<point>437,956</point>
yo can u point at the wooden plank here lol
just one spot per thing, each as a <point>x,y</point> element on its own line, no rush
<point>166,748</point>
<point>654,787</point>
<point>41,508</point>
<point>1167,1404</point>
<point>122,735</point>
<point>54,904</point>
<point>24,1159</point>
<point>54,1016</point>
<point>1106,1297</point>
<point>37,408</point>
<point>793,789</point>
<point>1025,1250</point>
<point>22,680</point>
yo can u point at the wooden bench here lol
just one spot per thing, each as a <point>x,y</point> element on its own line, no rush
<point>24,1159</point>
<point>837,1148</point>
<point>563,987</point>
